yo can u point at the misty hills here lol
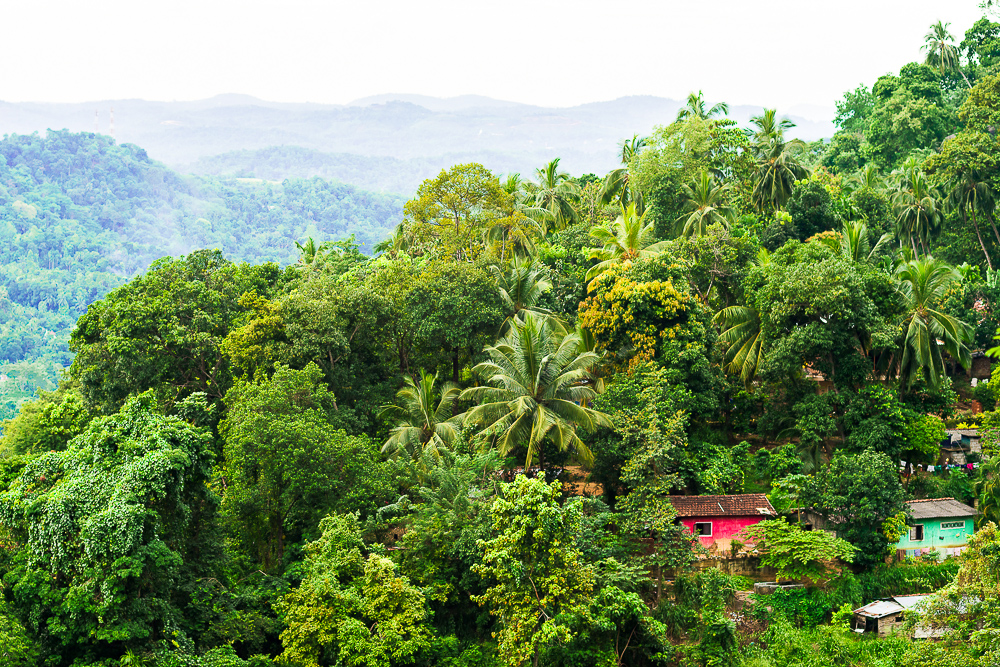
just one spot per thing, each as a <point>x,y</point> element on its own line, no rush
<point>421,134</point>
<point>80,214</point>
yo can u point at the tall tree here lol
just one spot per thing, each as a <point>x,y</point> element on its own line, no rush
<point>540,588</point>
<point>287,465</point>
<point>778,161</point>
<point>923,284</point>
<point>705,206</point>
<point>537,384</point>
<point>417,426</point>
<point>616,185</point>
<point>521,286</point>
<point>555,192</point>
<point>629,238</point>
<point>741,335</point>
<point>918,214</point>
<point>695,107</point>
<point>939,45</point>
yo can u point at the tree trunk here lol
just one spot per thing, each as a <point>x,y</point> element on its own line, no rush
<point>989,218</point>
<point>978,236</point>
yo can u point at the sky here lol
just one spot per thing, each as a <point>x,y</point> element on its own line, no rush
<point>784,54</point>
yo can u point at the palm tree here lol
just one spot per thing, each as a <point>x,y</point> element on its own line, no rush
<point>419,426</point>
<point>854,244</point>
<point>869,177</point>
<point>744,342</point>
<point>537,383</point>
<point>922,284</point>
<point>616,184</point>
<point>971,195</point>
<point>778,165</point>
<point>311,255</point>
<point>695,108</point>
<point>521,284</point>
<point>941,51</point>
<point>916,206</point>
<point>704,206</point>
<point>556,193</point>
<point>628,238</point>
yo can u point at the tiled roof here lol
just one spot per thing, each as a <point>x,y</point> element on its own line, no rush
<point>936,508</point>
<point>747,504</point>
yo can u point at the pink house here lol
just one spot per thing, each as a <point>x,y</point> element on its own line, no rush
<point>717,519</point>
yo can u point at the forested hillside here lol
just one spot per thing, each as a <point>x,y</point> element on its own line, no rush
<point>379,174</point>
<point>80,215</point>
<point>473,447</point>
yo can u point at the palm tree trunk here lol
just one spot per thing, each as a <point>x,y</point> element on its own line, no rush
<point>978,236</point>
<point>989,218</point>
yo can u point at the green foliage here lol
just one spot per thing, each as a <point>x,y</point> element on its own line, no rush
<point>906,579</point>
<point>16,648</point>
<point>45,424</point>
<point>80,214</point>
<point>163,330</point>
<point>538,584</point>
<point>858,495</point>
<point>351,609</point>
<point>106,528</point>
<point>796,553</point>
<point>287,464</point>
<point>810,208</point>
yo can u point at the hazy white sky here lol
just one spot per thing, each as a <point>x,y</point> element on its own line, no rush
<point>780,53</point>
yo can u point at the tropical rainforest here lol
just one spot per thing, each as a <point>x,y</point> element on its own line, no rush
<point>306,425</point>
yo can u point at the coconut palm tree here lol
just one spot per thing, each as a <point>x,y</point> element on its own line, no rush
<point>742,337</point>
<point>419,426</point>
<point>854,244</point>
<point>973,197</point>
<point>521,284</point>
<point>628,238</point>
<point>555,192</point>
<point>918,213</point>
<point>616,184</point>
<point>929,331</point>
<point>868,177</point>
<point>939,45</point>
<point>537,383</point>
<point>704,206</point>
<point>778,163</point>
<point>695,108</point>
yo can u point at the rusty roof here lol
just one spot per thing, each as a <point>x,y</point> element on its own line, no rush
<point>746,504</point>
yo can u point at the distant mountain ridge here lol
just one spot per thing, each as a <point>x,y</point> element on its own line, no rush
<point>505,136</point>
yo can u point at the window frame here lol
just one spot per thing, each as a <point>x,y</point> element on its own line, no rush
<point>914,527</point>
<point>702,523</point>
<point>952,525</point>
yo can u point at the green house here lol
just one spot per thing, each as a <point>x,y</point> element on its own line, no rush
<point>939,525</point>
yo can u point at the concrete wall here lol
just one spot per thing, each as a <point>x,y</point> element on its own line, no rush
<point>748,566</point>
<point>946,541</point>
<point>724,529</point>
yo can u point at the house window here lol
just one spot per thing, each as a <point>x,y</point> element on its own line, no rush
<point>916,533</point>
<point>950,525</point>
<point>703,529</point>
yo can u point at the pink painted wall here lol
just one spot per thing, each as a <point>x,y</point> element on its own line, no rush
<point>723,527</point>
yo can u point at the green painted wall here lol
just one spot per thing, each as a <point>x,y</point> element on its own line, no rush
<point>938,537</point>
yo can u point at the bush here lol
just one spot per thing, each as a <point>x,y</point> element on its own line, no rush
<point>906,579</point>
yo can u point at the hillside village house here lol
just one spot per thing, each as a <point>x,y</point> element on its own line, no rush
<point>717,519</point>
<point>941,525</point>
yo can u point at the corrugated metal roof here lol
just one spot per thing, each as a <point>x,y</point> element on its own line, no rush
<point>879,609</point>
<point>909,601</point>
<point>936,508</point>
